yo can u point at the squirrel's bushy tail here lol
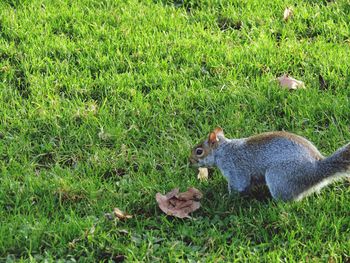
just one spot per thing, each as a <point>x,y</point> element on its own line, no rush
<point>336,164</point>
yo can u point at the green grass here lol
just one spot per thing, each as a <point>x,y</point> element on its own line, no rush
<point>101,101</point>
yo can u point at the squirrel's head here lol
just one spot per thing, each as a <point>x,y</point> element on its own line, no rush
<point>202,155</point>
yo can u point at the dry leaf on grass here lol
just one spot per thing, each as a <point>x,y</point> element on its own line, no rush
<point>120,214</point>
<point>202,174</point>
<point>179,204</point>
<point>117,213</point>
<point>323,83</point>
<point>290,83</point>
<point>288,12</point>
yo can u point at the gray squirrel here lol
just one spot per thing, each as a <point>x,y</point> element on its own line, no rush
<point>290,165</point>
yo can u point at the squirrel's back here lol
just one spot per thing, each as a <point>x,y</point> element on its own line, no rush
<point>284,144</point>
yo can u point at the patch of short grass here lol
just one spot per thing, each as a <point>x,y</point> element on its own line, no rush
<point>102,101</point>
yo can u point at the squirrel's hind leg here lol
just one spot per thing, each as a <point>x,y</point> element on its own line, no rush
<point>287,181</point>
<point>279,187</point>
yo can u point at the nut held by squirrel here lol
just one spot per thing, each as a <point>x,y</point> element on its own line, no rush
<point>202,174</point>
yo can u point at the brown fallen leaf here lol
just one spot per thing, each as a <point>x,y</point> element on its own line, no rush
<point>288,12</point>
<point>120,214</point>
<point>290,83</point>
<point>202,174</point>
<point>117,213</point>
<point>179,204</point>
<point>323,83</point>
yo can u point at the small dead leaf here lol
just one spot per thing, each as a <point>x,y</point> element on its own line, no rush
<point>117,213</point>
<point>288,12</point>
<point>179,204</point>
<point>288,82</point>
<point>323,83</point>
<point>202,174</point>
<point>120,214</point>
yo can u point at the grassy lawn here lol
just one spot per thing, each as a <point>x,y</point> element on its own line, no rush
<point>102,100</point>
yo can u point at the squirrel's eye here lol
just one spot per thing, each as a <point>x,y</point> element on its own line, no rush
<point>199,151</point>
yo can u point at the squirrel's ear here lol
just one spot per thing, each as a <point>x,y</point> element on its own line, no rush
<point>219,132</point>
<point>212,138</point>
